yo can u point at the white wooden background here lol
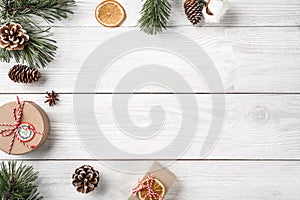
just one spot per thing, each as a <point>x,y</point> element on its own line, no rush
<point>256,49</point>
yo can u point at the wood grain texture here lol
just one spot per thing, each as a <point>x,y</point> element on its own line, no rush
<point>258,61</point>
<point>241,13</point>
<point>255,127</point>
<point>256,50</point>
<point>206,180</point>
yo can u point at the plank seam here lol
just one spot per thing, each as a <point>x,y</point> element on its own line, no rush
<point>179,160</point>
<point>159,93</point>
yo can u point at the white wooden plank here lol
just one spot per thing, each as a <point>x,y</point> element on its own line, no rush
<point>256,127</point>
<point>259,60</point>
<point>196,180</point>
<point>250,58</point>
<point>241,13</point>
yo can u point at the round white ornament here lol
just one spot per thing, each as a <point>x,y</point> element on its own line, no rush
<point>218,8</point>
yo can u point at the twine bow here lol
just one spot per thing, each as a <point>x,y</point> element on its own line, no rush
<point>207,8</point>
<point>17,115</point>
<point>147,185</point>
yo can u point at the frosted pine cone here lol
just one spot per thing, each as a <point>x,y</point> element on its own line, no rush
<point>193,10</point>
<point>13,36</point>
<point>24,74</point>
<point>85,179</point>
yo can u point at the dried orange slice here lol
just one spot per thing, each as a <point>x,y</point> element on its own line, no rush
<point>110,13</point>
<point>157,186</point>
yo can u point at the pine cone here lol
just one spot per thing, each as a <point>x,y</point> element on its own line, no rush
<point>24,74</point>
<point>193,10</point>
<point>13,36</point>
<point>85,179</point>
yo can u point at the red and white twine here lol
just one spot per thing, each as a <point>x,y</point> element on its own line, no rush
<point>147,185</point>
<point>17,115</point>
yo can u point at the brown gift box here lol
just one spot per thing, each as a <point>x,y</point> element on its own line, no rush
<point>166,177</point>
<point>33,114</point>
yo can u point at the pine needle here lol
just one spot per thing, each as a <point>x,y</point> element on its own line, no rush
<point>155,15</point>
<point>18,182</point>
<point>41,49</point>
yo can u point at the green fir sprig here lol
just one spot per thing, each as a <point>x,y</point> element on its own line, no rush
<point>25,10</point>
<point>155,15</point>
<point>18,182</point>
<point>41,49</point>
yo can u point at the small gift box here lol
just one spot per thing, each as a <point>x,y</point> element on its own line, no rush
<point>24,126</point>
<point>155,184</point>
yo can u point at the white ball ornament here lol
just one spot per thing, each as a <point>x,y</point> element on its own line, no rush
<point>218,8</point>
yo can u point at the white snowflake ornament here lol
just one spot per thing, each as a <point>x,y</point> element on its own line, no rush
<point>218,8</point>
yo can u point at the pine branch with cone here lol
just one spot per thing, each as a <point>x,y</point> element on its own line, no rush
<point>24,40</point>
<point>156,13</point>
<point>22,37</point>
<point>37,53</point>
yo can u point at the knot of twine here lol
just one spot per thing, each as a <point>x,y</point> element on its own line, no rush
<point>17,115</point>
<point>147,185</point>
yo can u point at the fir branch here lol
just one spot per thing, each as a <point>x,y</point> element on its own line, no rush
<point>25,10</point>
<point>38,53</point>
<point>18,182</point>
<point>40,49</point>
<point>155,15</point>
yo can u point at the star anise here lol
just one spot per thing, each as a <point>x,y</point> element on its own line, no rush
<point>51,98</point>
